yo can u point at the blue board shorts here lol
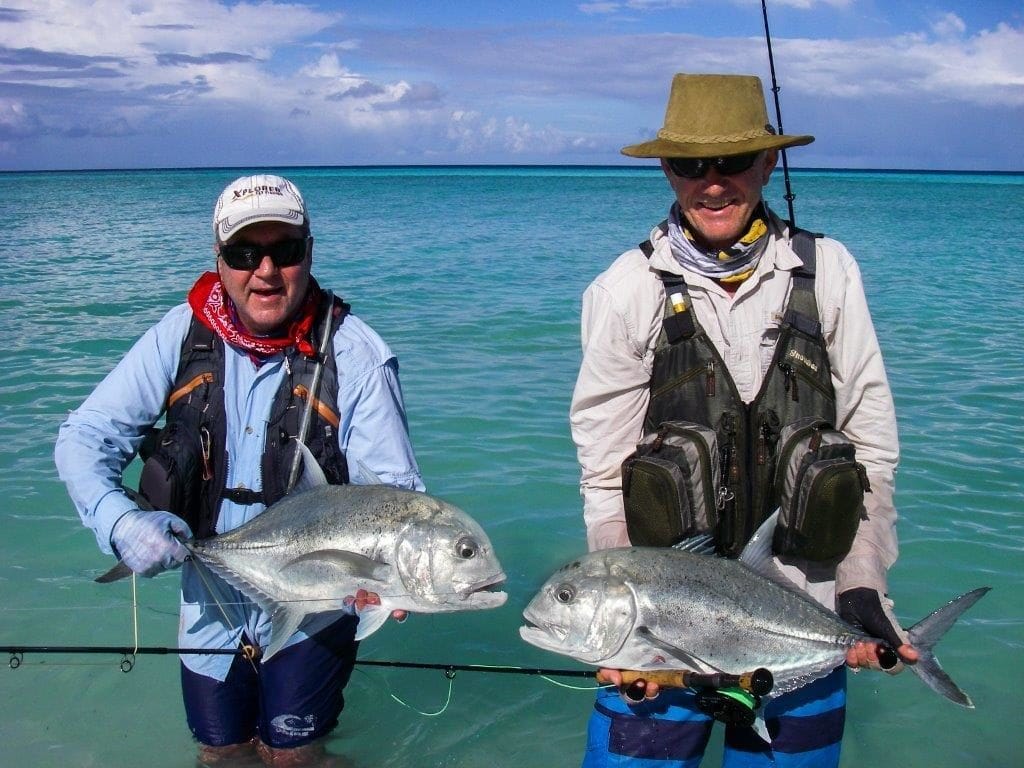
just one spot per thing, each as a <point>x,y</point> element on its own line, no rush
<point>293,699</point>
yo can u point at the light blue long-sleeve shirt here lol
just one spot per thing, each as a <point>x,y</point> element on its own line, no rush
<point>101,437</point>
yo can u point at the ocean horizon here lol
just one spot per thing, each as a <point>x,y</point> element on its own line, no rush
<point>799,170</point>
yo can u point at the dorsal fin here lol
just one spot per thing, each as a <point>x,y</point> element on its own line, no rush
<point>703,544</point>
<point>312,476</point>
<point>367,476</point>
<point>757,555</point>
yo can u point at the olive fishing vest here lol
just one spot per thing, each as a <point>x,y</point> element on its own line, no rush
<point>690,381</point>
<point>185,469</point>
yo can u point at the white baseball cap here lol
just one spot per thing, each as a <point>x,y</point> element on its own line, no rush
<point>250,199</point>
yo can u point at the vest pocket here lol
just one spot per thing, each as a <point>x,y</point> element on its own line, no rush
<point>820,490</point>
<point>669,485</point>
<point>171,473</point>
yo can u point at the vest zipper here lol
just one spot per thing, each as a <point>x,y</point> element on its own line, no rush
<point>766,436</point>
<point>682,379</point>
<point>791,375</point>
<point>205,442</point>
<point>709,381</point>
<point>180,392</point>
<point>730,475</point>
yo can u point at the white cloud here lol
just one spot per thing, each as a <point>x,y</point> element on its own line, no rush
<point>137,29</point>
<point>296,80</point>
<point>984,69</point>
<point>950,25</point>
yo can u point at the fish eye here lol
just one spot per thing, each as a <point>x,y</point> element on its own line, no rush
<point>466,548</point>
<point>565,594</point>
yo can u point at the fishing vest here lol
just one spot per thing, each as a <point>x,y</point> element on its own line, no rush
<point>690,382</point>
<point>185,465</point>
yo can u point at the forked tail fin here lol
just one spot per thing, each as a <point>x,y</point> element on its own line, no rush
<point>926,634</point>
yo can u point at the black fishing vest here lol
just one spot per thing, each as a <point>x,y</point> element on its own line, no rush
<point>690,381</point>
<point>196,421</point>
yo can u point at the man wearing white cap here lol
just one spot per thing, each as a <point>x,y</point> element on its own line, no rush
<point>235,369</point>
<point>709,352</point>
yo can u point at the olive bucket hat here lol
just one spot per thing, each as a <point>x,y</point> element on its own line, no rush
<point>715,116</point>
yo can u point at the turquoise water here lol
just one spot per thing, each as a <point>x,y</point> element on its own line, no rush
<point>474,275</point>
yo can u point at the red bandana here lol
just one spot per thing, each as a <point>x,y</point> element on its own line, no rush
<point>214,309</point>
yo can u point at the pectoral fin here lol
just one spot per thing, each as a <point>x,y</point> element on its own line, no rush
<point>688,660</point>
<point>371,618</point>
<point>338,566</point>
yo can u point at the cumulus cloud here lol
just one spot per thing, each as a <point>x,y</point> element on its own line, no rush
<point>982,69</point>
<point>314,91</point>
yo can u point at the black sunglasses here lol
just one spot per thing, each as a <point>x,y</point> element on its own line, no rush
<point>697,167</point>
<point>248,256</point>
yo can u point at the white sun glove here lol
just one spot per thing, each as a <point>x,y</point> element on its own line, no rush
<point>148,542</point>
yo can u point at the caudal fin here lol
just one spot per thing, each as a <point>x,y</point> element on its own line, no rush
<point>926,634</point>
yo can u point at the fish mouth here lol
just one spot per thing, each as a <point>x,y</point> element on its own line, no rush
<point>483,593</point>
<point>547,637</point>
<point>543,634</point>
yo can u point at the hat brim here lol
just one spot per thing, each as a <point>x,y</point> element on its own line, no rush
<point>667,148</point>
<point>230,225</point>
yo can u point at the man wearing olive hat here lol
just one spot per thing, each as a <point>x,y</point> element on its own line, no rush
<point>749,333</point>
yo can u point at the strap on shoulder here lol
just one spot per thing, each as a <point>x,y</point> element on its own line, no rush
<point>199,342</point>
<point>802,312</point>
<point>678,322</point>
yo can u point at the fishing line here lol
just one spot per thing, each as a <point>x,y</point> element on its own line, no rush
<point>135,614</point>
<point>391,693</point>
<point>778,113</point>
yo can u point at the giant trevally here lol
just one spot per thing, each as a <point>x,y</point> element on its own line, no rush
<point>306,553</point>
<point>657,608</point>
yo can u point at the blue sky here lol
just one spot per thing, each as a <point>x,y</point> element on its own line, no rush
<point>183,83</point>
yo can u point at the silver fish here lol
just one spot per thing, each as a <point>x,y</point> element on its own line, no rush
<point>303,555</point>
<point>647,608</point>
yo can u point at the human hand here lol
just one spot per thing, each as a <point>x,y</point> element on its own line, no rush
<point>863,607</point>
<point>150,542</point>
<point>362,598</point>
<point>634,692</point>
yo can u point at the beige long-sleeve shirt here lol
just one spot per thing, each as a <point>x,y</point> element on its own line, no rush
<point>621,321</point>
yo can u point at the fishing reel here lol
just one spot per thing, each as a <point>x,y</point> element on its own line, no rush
<point>730,699</point>
<point>732,706</point>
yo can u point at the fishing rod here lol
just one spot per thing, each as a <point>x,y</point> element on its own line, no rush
<point>778,113</point>
<point>314,389</point>
<point>760,681</point>
<point>17,654</point>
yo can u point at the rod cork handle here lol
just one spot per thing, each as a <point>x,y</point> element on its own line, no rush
<point>666,678</point>
<point>758,682</point>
